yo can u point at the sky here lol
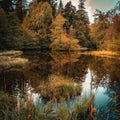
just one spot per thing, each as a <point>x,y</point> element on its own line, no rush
<point>91,5</point>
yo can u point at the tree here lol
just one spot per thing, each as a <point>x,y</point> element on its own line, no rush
<point>39,21</point>
<point>19,9</point>
<point>69,13</point>
<point>60,8</point>
<point>12,36</point>
<point>105,31</point>
<point>112,35</point>
<point>81,25</point>
<point>98,29</point>
<point>61,4</point>
<point>61,40</point>
<point>53,4</point>
<point>116,23</point>
<point>57,31</point>
<point>3,27</point>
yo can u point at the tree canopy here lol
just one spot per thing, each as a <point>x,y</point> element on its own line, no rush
<point>49,24</point>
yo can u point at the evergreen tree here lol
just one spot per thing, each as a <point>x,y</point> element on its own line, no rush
<point>81,25</point>
<point>69,13</point>
<point>19,9</point>
<point>61,4</point>
<point>60,8</point>
<point>99,28</point>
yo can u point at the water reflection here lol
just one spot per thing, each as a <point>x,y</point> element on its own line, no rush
<point>98,76</point>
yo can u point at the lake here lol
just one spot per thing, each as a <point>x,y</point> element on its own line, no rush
<point>84,76</point>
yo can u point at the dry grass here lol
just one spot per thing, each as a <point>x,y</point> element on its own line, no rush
<point>108,54</point>
<point>10,53</point>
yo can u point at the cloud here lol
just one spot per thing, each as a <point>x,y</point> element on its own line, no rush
<point>74,2</point>
<point>103,5</point>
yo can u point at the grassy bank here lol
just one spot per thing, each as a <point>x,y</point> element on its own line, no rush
<point>108,54</point>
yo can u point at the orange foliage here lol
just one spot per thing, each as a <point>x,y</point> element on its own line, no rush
<point>67,40</point>
<point>26,22</point>
<point>116,23</point>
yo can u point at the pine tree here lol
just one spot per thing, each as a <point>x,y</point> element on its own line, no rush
<point>69,13</point>
<point>61,4</point>
<point>81,25</point>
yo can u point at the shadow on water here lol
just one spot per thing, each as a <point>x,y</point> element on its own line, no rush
<point>66,77</point>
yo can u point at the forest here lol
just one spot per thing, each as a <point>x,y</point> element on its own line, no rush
<point>48,25</point>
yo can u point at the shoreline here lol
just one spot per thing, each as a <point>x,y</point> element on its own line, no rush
<point>99,53</point>
<point>102,53</point>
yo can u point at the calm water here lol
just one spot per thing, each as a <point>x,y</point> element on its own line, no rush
<point>98,75</point>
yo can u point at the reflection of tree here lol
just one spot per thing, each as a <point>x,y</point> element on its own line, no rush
<point>105,73</point>
<point>69,64</point>
<point>62,58</point>
<point>12,79</point>
<point>114,82</point>
<point>39,68</point>
<point>99,72</point>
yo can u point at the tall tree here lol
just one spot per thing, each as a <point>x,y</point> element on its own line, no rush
<point>98,29</point>
<point>81,25</point>
<point>61,40</point>
<point>57,31</point>
<point>69,13</point>
<point>39,21</point>
<point>53,4</point>
<point>61,4</point>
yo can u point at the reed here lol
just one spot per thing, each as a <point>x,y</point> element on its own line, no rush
<point>80,109</point>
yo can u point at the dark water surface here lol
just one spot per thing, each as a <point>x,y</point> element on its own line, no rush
<point>97,75</point>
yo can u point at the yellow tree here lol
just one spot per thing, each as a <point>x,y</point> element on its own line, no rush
<point>61,40</point>
<point>57,31</point>
<point>39,20</point>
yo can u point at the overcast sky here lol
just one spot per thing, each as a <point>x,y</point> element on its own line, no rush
<point>91,5</point>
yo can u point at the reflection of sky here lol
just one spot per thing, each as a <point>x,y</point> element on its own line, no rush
<point>100,97</point>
